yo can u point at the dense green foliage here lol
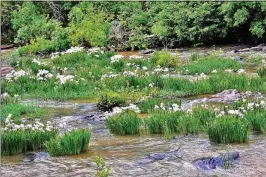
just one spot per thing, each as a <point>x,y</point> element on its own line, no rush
<point>50,26</point>
<point>70,143</point>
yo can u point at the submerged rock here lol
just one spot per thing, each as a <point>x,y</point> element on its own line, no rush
<point>171,155</point>
<point>32,156</point>
<point>222,161</point>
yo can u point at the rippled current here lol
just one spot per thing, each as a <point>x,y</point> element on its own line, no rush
<point>121,153</point>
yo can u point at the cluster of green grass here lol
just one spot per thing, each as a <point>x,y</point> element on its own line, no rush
<point>208,64</point>
<point>225,129</point>
<point>262,72</point>
<point>14,142</point>
<point>180,122</point>
<point>161,122</point>
<point>18,110</point>
<point>257,120</point>
<point>125,123</point>
<point>70,143</point>
<point>228,130</point>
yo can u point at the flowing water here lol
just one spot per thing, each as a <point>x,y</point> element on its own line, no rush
<point>122,153</point>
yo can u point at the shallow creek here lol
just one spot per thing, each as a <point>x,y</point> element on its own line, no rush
<point>122,153</point>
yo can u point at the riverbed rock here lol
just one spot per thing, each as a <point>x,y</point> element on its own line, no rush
<point>148,51</point>
<point>6,70</point>
<point>226,96</point>
<point>171,155</point>
<point>33,156</point>
<point>223,161</point>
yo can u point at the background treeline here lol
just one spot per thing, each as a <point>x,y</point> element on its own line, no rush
<point>42,27</point>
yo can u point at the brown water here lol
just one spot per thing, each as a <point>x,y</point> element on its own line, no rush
<point>121,153</point>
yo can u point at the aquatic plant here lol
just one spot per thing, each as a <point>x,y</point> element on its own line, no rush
<point>70,143</point>
<point>228,129</point>
<point>17,138</point>
<point>102,170</point>
<point>125,123</point>
<point>163,122</point>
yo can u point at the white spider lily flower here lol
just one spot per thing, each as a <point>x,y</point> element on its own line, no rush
<point>116,58</point>
<point>135,57</point>
<point>228,70</point>
<point>214,71</point>
<point>144,68</point>
<point>241,71</point>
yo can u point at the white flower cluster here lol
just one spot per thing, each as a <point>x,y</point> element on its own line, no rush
<point>116,58</point>
<point>214,71</point>
<point>172,108</point>
<point>34,60</point>
<point>14,75</point>
<point>151,85</point>
<point>241,71</point>
<point>130,73</point>
<point>68,51</point>
<point>135,57</point>
<point>95,50</point>
<point>201,76</point>
<point>63,79</point>
<point>37,126</point>
<point>160,69</point>
<point>241,111</point>
<point>110,75</point>
<point>4,95</point>
<point>228,70</point>
<point>43,75</point>
<point>118,110</point>
<point>72,50</point>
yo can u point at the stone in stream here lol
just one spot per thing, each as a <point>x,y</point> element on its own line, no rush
<point>148,51</point>
<point>32,156</point>
<point>222,161</point>
<point>171,155</point>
